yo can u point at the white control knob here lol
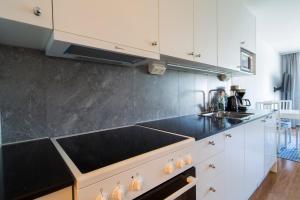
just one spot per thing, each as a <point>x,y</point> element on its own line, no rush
<point>169,168</point>
<point>118,193</point>
<point>102,196</point>
<point>188,159</point>
<point>136,184</point>
<point>180,164</point>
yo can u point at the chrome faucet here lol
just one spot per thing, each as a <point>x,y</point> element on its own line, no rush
<point>203,93</point>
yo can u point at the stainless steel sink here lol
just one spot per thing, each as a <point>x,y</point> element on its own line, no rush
<point>229,115</point>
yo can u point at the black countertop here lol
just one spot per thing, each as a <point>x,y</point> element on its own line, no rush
<point>31,169</point>
<point>200,127</point>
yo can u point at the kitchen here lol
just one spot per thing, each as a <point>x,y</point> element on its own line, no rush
<point>151,99</point>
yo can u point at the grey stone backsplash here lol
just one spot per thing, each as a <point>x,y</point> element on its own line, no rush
<point>42,96</point>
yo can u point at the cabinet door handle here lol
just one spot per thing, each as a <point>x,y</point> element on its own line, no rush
<point>191,54</point>
<point>155,43</point>
<point>212,189</point>
<point>243,42</point>
<point>228,135</point>
<point>212,166</point>
<point>119,48</point>
<point>212,143</point>
<point>198,55</point>
<point>37,11</point>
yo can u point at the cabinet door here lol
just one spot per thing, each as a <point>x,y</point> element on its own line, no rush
<point>234,169</point>
<point>205,31</point>
<point>254,155</point>
<point>248,37</point>
<point>133,23</point>
<point>23,11</point>
<point>229,31</point>
<point>270,144</point>
<point>176,28</point>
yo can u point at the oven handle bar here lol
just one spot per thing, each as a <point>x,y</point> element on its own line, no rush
<point>192,181</point>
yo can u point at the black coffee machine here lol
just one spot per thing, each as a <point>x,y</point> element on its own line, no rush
<point>236,102</point>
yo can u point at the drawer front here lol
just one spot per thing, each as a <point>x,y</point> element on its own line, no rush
<point>209,169</point>
<point>210,146</point>
<point>212,190</point>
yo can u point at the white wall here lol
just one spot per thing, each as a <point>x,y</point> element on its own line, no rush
<point>268,74</point>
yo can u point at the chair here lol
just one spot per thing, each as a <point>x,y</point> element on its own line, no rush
<point>285,104</point>
<point>267,105</point>
<point>285,124</point>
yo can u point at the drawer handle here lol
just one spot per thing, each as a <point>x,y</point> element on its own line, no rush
<point>263,120</point>
<point>37,11</point>
<point>212,143</point>
<point>198,55</point>
<point>212,166</point>
<point>191,54</point>
<point>212,189</point>
<point>192,181</point>
<point>119,48</point>
<point>228,135</point>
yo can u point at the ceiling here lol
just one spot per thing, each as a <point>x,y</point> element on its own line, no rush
<point>278,22</point>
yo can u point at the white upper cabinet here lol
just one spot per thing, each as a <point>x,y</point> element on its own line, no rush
<point>34,12</point>
<point>205,31</point>
<point>25,23</point>
<point>176,26</point>
<point>131,23</point>
<point>248,37</point>
<point>229,33</point>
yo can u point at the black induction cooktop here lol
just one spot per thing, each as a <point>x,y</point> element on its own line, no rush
<point>96,150</point>
<point>195,126</point>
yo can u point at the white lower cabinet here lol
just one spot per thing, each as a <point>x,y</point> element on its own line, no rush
<point>234,163</point>
<point>211,177</point>
<point>254,155</point>
<point>270,143</point>
<point>238,160</point>
<point>211,168</point>
<point>208,147</point>
<point>213,189</point>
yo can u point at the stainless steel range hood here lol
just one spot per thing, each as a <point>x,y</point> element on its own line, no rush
<point>82,48</point>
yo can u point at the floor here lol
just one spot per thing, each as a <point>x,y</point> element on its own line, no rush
<point>285,185</point>
<point>289,152</point>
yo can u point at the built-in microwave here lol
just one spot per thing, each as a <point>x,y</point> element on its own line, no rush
<point>247,61</point>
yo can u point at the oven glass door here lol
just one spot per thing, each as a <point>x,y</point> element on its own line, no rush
<point>181,187</point>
